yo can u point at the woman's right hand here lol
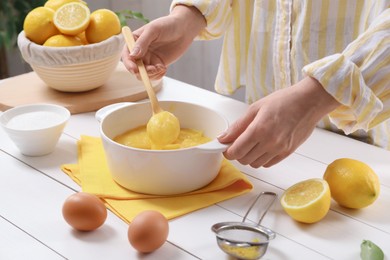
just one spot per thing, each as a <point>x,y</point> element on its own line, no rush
<point>164,40</point>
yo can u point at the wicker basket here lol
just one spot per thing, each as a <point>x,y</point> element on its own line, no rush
<point>73,69</point>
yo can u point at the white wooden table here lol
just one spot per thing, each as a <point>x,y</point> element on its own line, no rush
<point>33,189</point>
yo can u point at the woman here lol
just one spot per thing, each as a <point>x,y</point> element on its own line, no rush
<point>303,63</point>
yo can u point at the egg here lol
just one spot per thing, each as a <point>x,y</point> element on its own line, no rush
<point>148,231</point>
<point>84,211</point>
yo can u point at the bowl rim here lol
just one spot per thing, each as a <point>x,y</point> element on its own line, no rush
<point>36,107</point>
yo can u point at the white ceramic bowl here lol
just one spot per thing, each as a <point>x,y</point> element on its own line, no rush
<point>165,172</point>
<point>73,69</point>
<point>35,129</point>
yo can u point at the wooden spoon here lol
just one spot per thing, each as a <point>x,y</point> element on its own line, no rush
<point>129,38</point>
<point>163,127</point>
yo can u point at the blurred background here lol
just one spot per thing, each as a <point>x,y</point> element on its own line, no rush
<point>197,67</point>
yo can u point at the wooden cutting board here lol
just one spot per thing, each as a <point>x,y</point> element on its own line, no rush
<point>29,88</point>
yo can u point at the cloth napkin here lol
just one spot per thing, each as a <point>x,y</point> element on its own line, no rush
<point>94,177</point>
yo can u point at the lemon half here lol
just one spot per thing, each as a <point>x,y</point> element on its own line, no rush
<point>307,201</point>
<point>72,18</point>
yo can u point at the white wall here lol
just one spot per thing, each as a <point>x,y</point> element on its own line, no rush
<point>197,67</point>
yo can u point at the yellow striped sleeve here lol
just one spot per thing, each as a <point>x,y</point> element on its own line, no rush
<point>234,50</point>
<point>359,78</point>
<point>216,12</point>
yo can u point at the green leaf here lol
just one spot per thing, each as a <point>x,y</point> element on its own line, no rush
<point>129,14</point>
<point>122,19</point>
<point>370,251</point>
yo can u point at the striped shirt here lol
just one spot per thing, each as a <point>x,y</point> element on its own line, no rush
<point>344,44</point>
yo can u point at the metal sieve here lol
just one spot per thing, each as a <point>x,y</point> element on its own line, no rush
<point>245,240</point>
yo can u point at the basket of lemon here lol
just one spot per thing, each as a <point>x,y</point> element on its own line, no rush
<point>69,47</point>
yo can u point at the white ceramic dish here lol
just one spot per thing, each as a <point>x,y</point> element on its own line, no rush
<point>36,128</point>
<point>164,172</point>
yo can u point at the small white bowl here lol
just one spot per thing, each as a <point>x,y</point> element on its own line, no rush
<point>35,129</point>
<point>73,69</point>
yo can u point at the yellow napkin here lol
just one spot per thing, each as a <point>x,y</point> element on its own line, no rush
<point>93,175</point>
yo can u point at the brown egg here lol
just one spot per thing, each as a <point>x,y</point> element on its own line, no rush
<point>148,231</point>
<point>84,211</point>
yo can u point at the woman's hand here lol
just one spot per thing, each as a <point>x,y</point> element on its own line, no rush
<point>276,125</point>
<point>162,41</point>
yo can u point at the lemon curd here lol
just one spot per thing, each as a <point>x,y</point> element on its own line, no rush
<point>138,138</point>
<point>250,252</point>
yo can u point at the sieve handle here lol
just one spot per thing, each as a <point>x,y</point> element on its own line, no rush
<point>267,193</point>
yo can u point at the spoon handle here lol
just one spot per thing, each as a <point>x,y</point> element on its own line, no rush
<point>129,38</point>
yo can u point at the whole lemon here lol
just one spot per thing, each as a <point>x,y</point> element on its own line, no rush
<point>353,184</point>
<point>55,4</point>
<point>103,24</point>
<point>61,40</point>
<point>38,25</point>
<point>82,37</point>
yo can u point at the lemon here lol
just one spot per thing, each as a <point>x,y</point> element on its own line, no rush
<point>61,40</point>
<point>353,184</point>
<point>55,4</point>
<point>307,201</point>
<point>104,24</point>
<point>82,37</point>
<point>38,25</point>
<point>72,18</point>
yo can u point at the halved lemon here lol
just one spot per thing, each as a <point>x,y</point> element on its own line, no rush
<point>72,18</point>
<point>307,201</point>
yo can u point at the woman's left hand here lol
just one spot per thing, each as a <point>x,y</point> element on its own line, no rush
<point>276,125</point>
